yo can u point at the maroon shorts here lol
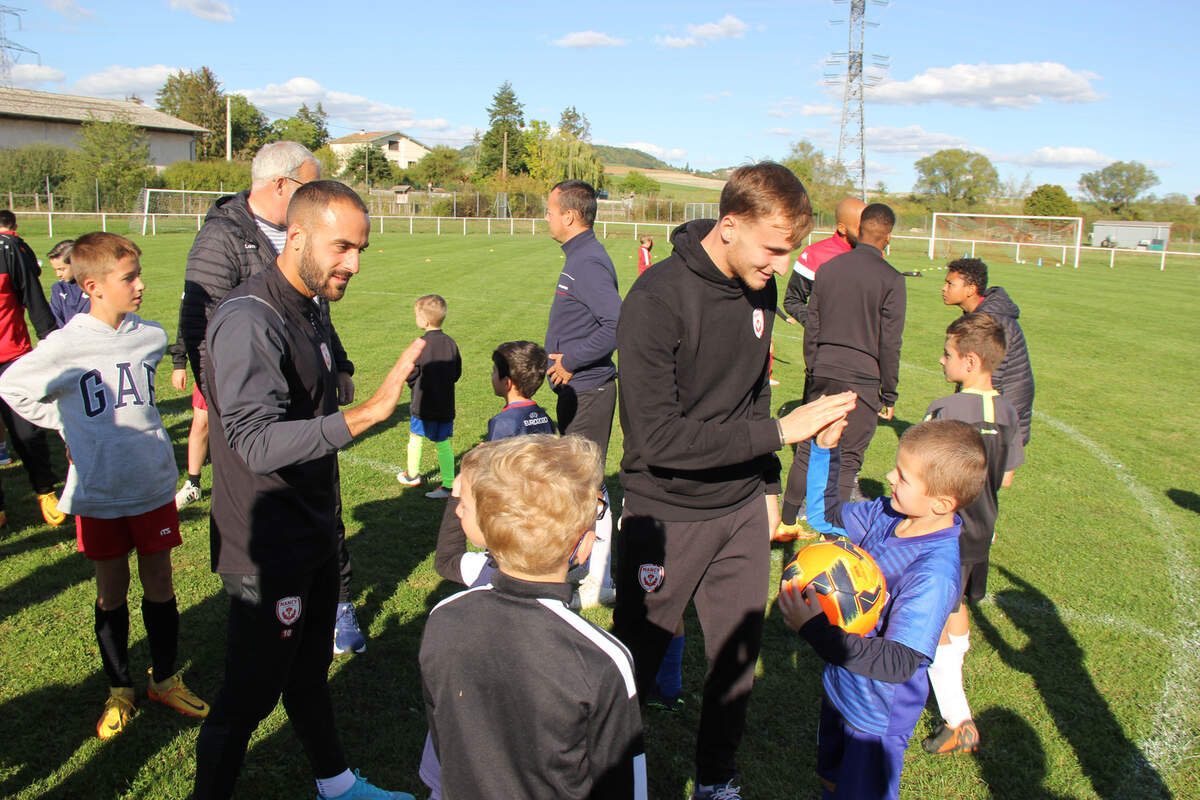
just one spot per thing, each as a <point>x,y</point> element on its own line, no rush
<point>150,532</point>
<point>198,399</point>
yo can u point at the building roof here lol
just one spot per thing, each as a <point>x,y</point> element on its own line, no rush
<point>1131,223</point>
<point>28,104</point>
<point>372,136</point>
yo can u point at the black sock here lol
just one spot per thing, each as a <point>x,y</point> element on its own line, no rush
<point>162,630</point>
<point>112,634</point>
<point>789,512</point>
<point>194,479</point>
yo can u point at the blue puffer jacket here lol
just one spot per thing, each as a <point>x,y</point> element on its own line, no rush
<point>1014,377</point>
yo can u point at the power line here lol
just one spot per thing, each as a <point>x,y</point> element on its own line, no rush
<point>10,51</point>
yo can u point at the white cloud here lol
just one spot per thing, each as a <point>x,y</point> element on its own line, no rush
<point>212,10</point>
<point>913,140</point>
<point>876,168</point>
<point>352,110</point>
<point>31,76</point>
<point>666,154</point>
<point>118,81</point>
<point>819,110</point>
<point>711,96</point>
<point>70,9</point>
<point>727,27</point>
<point>990,86</point>
<point>779,132</point>
<point>790,106</point>
<point>581,40</point>
<point>1062,157</point>
<point>677,42</point>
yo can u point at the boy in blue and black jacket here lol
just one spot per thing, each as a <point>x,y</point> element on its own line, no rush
<point>875,685</point>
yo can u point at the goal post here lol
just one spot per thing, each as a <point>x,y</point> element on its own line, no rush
<point>171,209</point>
<point>1024,238</point>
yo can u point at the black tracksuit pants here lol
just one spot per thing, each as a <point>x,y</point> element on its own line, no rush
<point>588,413</point>
<point>860,429</point>
<point>267,657</point>
<point>31,446</point>
<point>722,565</point>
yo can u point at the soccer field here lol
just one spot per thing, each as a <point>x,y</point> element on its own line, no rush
<point>1083,669</point>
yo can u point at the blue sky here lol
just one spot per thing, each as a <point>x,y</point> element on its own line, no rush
<point>1046,90</point>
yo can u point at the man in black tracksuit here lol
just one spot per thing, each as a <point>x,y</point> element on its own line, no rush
<point>695,409</point>
<point>275,435</point>
<point>241,235</point>
<point>852,342</point>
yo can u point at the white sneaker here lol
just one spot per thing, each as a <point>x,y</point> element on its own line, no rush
<point>440,493</point>
<point>718,791</point>
<point>408,480</point>
<point>188,493</point>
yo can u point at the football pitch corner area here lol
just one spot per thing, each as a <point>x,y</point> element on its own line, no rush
<point>1082,669</point>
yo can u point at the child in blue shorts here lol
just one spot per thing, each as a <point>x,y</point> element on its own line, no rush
<point>432,410</point>
<point>875,685</point>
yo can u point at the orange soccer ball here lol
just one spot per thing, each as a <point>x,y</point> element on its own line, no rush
<point>852,589</point>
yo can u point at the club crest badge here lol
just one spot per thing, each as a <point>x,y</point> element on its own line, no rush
<point>650,576</point>
<point>325,355</point>
<point>287,610</point>
<point>759,322</point>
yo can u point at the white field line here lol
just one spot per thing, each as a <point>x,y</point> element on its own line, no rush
<point>1171,739</point>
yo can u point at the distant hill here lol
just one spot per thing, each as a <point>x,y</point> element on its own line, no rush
<point>629,157</point>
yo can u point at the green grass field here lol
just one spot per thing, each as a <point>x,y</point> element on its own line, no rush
<point>1082,672</point>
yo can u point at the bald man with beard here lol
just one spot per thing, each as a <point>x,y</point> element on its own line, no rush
<point>804,271</point>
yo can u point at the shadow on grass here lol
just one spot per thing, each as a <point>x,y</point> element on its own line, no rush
<point>48,728</point>
<point>1114,765</point>
<point>1185,499</point>
<point>1010,739</point>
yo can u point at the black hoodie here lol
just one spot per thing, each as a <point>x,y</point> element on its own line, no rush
<point>1013,379</point>
<point>695,406</point>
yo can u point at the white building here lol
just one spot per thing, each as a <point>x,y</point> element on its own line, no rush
<point>1131,234</point>
<point>398,148</point>
<point>29,117</point>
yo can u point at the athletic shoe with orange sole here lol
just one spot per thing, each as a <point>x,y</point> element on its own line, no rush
<point>49,505</point>
<point>118,710</point>
<point>174,693</point>
<point>963,739</point>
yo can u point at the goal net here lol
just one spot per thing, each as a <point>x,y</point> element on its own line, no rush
<point>1003,237</point>
<point>165,210</point>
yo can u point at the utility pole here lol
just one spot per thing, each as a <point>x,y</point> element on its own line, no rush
<point>851,151</point>
<point>228,129</point>
<point>504,159</point>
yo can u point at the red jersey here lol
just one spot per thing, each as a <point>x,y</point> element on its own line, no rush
<point>643,259</point>
<point>817,253</point>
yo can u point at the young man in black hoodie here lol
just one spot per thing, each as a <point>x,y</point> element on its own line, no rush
<point>967,287</point>
<point>699,467</point>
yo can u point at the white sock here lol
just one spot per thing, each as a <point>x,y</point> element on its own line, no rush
<point>945,676</point>
<point>598,563</point>
<point>962,643</point>
<point>337,785</point>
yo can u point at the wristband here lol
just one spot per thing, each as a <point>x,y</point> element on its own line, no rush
<point>779,427</point>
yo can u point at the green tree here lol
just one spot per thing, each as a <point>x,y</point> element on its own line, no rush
<point>560,157</point>
<point>217,175</point>
<point>825,178</point>
<point>440,166</point>
<point>250,127</point>
<point>1050,200</point>
<point>367,163</point>
<point>958,177</point>
<point>506,117</point>
<point>1118,184</point>
<point>26,169</point>
<point>197,98</point>
<point>112,157</point>
<point>574,125</point>
<point>307,126</point>
<point>636,182</point>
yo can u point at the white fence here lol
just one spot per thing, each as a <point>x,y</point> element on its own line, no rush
<point>154,224</point>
